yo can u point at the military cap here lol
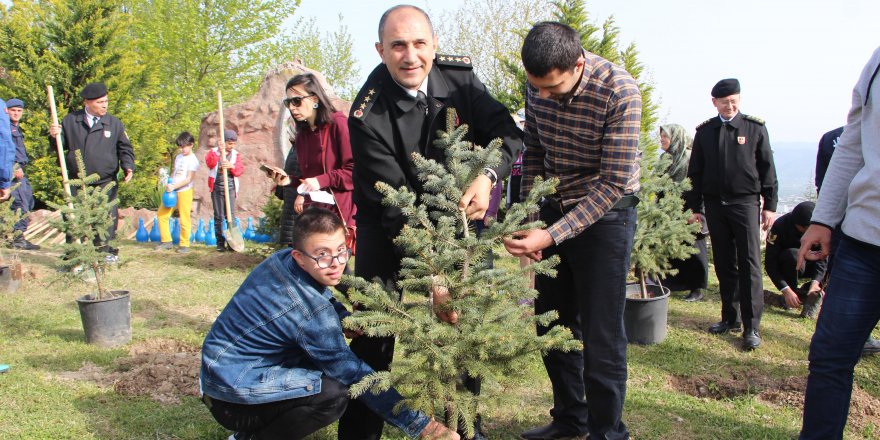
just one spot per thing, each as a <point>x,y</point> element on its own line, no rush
<point>14,102</point>
<point>726,87</point>
<point>230,135</point>
<point>802,213</point>
<point>93,91</point>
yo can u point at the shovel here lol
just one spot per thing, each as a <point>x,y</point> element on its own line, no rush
<point>232,234</point>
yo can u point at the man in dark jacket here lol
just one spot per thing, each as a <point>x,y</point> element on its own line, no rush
<point>398,112</point>
<point>780,261</point>
<point>731,170</point>
<point>23,195</point>
<point>105,147</point>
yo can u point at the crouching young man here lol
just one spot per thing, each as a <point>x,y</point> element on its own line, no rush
<point>275,364</point>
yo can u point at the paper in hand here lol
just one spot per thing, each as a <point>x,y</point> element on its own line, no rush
<point>316,196</point>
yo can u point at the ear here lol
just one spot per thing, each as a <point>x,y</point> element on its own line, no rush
<point>381,51</point>
<point>298,256</point>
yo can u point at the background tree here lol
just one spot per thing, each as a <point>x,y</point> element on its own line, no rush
<point>329,53</point>
<point>491,33</point>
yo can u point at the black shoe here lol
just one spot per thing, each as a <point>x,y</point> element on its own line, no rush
<point>221,248</point>
<point>21,243</point>
<point>751,340</point>
<point>872,346</point>
<point>550,432</point>
<point>724,327</point>
<point>478,430</point>
<point>694,296</point>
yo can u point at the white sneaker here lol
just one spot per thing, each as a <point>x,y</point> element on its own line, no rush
<point>111,259</point>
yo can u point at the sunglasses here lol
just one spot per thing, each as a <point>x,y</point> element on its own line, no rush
<point>296,101</point>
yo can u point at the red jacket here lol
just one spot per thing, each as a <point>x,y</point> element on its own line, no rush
<point>334,171</point>
<point>213,158</point>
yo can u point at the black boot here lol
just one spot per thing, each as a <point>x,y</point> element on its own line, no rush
<point>21,243</point>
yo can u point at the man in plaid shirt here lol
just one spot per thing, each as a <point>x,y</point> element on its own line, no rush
<point>583,116</point>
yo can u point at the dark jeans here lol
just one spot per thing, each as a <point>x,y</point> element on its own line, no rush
<point>589,293</point>
<point>22,199</point>
<point>283,420</point>
<point>218,199</point>
<point>850,311</point>
<point>736,247</point>
<point>114,214</point>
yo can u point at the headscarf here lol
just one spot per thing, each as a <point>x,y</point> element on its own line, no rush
<point>679,150</point>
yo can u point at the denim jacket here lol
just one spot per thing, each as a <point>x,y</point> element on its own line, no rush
<point>279,333</point>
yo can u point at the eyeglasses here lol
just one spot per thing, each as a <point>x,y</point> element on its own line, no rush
<point>325,261</point>
<point>296,101</point>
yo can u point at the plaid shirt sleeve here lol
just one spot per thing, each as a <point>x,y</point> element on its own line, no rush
<point>619,155</point>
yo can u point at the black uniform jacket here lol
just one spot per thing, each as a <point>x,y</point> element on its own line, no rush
<point>104,146</point>
<point>782,237</point>
<point>386,127</point>
<point>737,172</point>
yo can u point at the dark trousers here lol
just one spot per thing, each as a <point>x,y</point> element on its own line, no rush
<point>589,293</point>
<point>788,268</point>
<point>850,311</point>
<point>218,199</point>
<point>22,199</point>
<point>114,214</point>
<point>283,420</point>
<point>736,246</point>
<point>376,258</point>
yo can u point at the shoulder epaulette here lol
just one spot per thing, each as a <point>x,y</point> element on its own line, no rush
<point>455,61</point>
<point>704,123</point>
<point>364,100</point>
<point>754,119</point>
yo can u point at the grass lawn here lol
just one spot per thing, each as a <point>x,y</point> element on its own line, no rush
<point>692,386</point>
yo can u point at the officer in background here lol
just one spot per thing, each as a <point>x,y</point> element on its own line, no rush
<point>23,195</point>
<point>105,147</point>
<point>397,112</point>
<point>780,262</point>
<point>731,170</point>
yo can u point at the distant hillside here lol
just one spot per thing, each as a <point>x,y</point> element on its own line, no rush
<point>795,169</point>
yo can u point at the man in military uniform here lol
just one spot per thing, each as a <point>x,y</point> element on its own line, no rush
<point>105,147</point>
<point>397,112</point>
<point>780,262</point>
<point>23,195</point>
<point>731,170</point>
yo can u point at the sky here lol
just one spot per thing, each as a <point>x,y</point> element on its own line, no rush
<point>797,61</point>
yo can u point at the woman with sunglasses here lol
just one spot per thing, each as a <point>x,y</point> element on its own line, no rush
<point>322,149</point>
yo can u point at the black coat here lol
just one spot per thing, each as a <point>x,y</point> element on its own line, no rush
<point>288,195</point>
<point>784,238</point>
<point>386,127</point>
<point>738,172</point>
<point>105,146</point>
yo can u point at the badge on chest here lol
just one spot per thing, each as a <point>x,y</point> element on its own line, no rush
<point>741,140</point>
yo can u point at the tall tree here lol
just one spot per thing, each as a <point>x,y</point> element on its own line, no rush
<point>329,53</point>
<point>491,33</point>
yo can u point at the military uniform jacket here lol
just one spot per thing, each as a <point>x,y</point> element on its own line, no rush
<point>736,172</point>
<point>21,156</point>
<point>385,126</point>
<point>105,146</point>
<point>782,237</point>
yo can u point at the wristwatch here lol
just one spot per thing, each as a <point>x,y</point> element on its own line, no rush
<point>490,173</point>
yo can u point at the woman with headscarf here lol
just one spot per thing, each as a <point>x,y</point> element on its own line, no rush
<point>693,272</point>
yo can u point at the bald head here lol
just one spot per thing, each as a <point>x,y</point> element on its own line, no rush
<point>399,8</point>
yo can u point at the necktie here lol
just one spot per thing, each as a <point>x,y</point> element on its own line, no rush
<point>94,120</point>
<point>422,102</point>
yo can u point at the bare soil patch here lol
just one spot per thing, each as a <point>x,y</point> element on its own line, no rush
<point>788,392</point>
<point>163,369</point>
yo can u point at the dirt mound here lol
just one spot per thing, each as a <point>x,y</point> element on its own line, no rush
<point>864,408</point>
<point>163,369</point>
<point>230,260</point>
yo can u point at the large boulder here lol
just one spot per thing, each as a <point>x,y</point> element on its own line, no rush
<point>265,131</point>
